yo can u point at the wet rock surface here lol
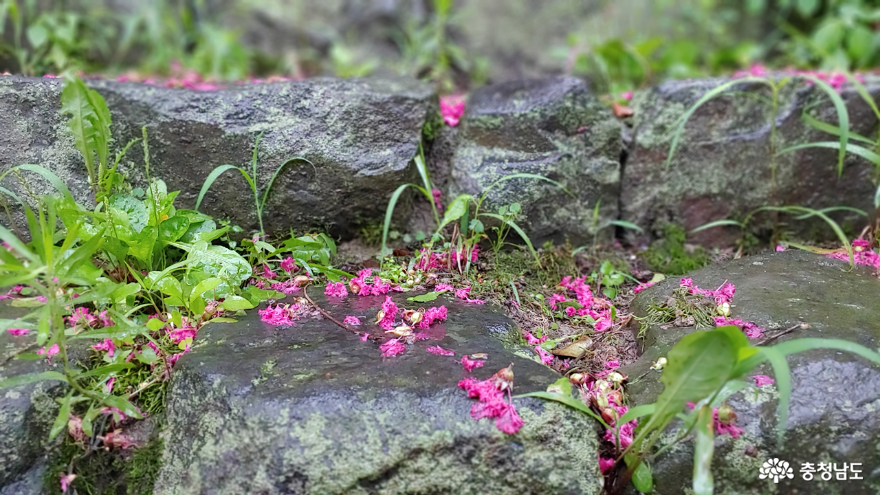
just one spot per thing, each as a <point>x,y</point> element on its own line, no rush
<point>312,409</point>
<point>835,395</point>
<point>26,414</point>
<point>359,135</point>
<point>553,127</point>
<point>722,165</point>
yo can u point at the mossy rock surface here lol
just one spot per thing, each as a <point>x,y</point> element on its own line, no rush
<point>26,413</point>
<point>722,166</point>
<point>835,395</point>
<point>311,409</point>
<point>554,127</point>
<point>360,136</point>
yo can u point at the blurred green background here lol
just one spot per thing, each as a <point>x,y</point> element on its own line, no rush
<point>618,44</point>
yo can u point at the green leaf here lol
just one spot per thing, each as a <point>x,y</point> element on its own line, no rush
<point>106,370</point>
<point>704,449</point>
<point>455,210</point>
<point>147,355</point>
<point>137,212</point>
<point>155,324</point>
<point>829,36</point>
<point>204,286</point>
<point>31,378</point>
<point>217,172</point>
<point>561,386</point>
<point>235,303</point>
<point>568,401</point>
<point>123,291</point>
<point>173,228</point>
<point>637,412</point>
<point>806,8</point>
<point>642,478</point>
<point>430,296</point>
<point>626,225</point>
<point>197,306</point>
<point>123,405</point>
<point>696,367</point>
<point>61,419</point>
<point>220,262</point>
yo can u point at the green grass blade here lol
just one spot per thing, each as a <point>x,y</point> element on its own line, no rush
<point>217,172</point>
<point>16,244</point>
<point>855,149</point>
<point>783,384</point>
<point>389,212</point>
<point>678,126</point>
<point>832,129</point>
<point>637,412</point>
<point>863,92</point>
<point>834,226</point>
<point>842,117</point>
<point>275,175</point>
<point>718,223</point>
<point>626,225</point>
<point>31,378</point>
<point>831,210</point>
<point>807,344</point>
<point>46,174</point>
<point>523,176</point>
<point>519,232</point>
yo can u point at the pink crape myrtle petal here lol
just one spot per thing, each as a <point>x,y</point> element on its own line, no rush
<point>509,422</point>
<point>287,264</point>
<point>605,464</point>
<point>48,352</point>
<point>451,109</point>
<point>18,331</point>
<point>335,289</point>
<point>364,337</point>
<point>642,287</point>
<point>613,364</point>
<point>389,312</point>
<point>555,299</point>
<point>180,334</point>
<point>268,273</point>
<point>437,196</point>
<point>440,351</point>
<point>392,348</point>
<point>106,345</point>
<point>545,356</point>
<point>278,315</point>
<point>761,380</point>
<point>351,320</point>
<point>471,364</point>
<point>531,340</point>
<point>431,315</point>
<point>66,479</point>
<point>110,383</point>
<point>443,288</point>
<point>105,319</point>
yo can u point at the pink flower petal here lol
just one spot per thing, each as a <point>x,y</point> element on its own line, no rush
<point>440,351</point>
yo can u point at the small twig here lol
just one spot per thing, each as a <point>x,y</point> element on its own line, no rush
<point>780,334</point>
<point>334,320</point>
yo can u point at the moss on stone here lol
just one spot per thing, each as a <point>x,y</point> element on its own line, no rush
<point>669,255</point>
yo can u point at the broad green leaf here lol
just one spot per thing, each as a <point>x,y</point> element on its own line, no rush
<point>138,215</point>
<point>197,305</point>
<point>123,291</point>
<point>430,296</point>
<point>456,209</point>
<point>155,324</point>
<point>61,419</point>
<point>170,286</point>
<point>235,303</point>
<point>637,412</point>
<point>220,262</point>
<point>642,478</point>
<point>147,355</point>
<point>204,286</point>
<point>561,386</point>
<point>172,229</point>
<point>704,449</point>
<point>700,364</point>
<point>123,405</point>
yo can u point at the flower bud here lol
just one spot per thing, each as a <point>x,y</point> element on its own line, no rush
<point>659,364</point>
<point>726,415</point>
<point>724,309</point>
<point>600,399</point>
<point>479,355</point>
<point>577,378</point>
<point>616,377</point>
<point>300,280</point>
<point>615,397</point>
<point>401,331</point>
<point>609,414</point>
<point>354,287</point>
<point>379,316</point>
